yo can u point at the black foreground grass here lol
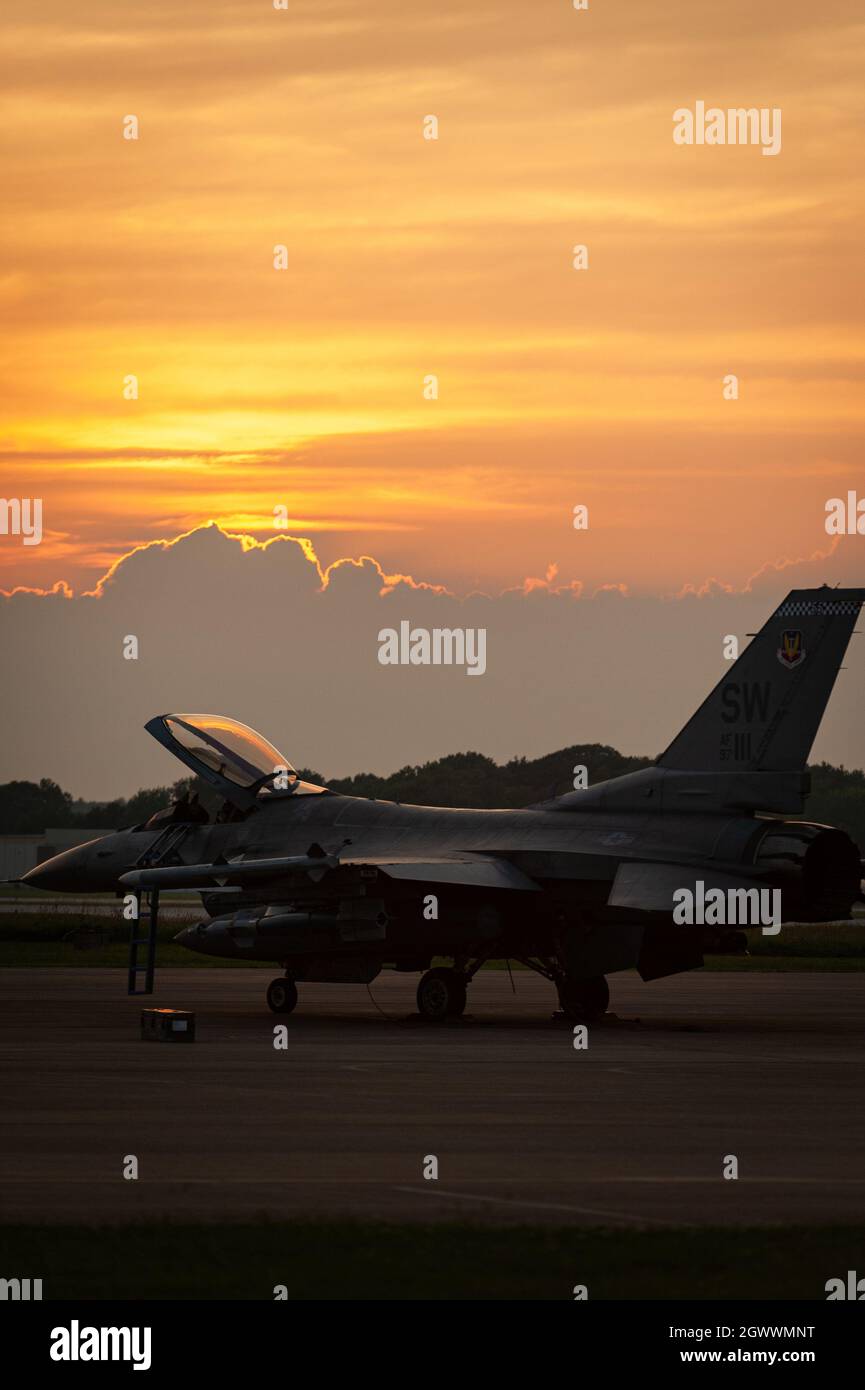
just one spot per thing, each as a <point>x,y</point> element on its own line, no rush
<point>348,1260</point>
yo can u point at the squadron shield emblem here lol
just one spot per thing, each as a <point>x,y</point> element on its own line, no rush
<point>791,652</point>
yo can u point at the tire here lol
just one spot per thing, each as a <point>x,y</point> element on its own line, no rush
<point>583,1000</point>
<point>441,994</point>
<point>282,996</point>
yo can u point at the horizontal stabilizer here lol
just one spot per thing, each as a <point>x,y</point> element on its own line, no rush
<point>650,887</point>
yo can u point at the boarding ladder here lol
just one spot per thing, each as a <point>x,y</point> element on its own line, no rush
<point>143,932</point>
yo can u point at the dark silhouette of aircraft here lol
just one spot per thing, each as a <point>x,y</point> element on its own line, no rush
<point>335,888</point>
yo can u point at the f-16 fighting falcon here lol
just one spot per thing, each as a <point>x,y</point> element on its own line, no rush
<point>337,888</point>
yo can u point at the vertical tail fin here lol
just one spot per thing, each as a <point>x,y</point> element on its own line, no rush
<point>763,715</point>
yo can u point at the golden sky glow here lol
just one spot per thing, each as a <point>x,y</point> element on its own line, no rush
<point>304,387</point>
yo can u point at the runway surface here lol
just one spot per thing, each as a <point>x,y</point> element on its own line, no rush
<point>634,1130</point>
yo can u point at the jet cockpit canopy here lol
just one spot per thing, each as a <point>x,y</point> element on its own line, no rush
<point>230,756</point>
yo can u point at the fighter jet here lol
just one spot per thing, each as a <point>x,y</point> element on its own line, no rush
<point>337,888</point>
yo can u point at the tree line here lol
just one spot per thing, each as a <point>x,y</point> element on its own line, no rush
<point>460,779</point>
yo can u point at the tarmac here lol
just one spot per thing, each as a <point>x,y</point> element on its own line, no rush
<point>684,1075</point>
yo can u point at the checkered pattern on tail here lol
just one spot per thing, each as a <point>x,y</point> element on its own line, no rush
<point>820,608</point>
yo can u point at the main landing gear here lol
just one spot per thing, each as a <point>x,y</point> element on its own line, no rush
<point>581,1001</point>
<point>282,995</point>
<point>441,994</point>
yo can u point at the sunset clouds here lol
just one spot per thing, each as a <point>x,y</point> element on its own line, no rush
<point>270,636</point>
<point>304,388</point>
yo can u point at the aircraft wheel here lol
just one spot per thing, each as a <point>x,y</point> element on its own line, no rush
<point>583,1000</point>
<point>441,994</point>
<point>282,996</point>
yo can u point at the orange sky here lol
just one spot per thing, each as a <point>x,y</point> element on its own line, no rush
<point>408,257</point>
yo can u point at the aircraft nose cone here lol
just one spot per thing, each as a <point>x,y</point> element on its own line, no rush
<point>62,874</point>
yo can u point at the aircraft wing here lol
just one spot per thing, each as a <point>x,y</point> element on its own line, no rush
<point>464,870</point>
